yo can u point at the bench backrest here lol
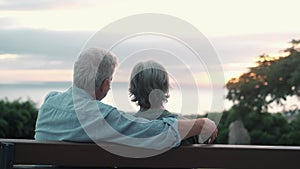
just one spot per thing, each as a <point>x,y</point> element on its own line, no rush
<point>15,152</point>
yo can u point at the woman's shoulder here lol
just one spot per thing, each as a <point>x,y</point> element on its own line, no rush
<point>154,114</point>
<point>166,113</point>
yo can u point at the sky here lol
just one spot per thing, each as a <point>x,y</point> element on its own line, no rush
<point>41,39</point>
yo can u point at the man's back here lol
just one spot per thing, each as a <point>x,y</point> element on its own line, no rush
<point>57,119</point>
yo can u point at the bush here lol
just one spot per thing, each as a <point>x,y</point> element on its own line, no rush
<point>293,136</point>
<point>17,119</point>
<point>260,137</point>
<point>264,128</point>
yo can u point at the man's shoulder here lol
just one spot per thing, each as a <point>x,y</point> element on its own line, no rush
<point>52,94</point>
<point>103,107</point>
<point>56,97</point>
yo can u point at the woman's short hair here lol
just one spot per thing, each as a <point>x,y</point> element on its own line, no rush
<point>92,67</point>
<point>149,84</point>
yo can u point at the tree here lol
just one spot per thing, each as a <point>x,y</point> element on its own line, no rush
<point>272,80</point>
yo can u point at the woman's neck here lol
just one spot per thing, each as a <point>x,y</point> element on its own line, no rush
<point>161,107</point>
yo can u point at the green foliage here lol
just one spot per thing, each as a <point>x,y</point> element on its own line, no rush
<point>272,80</point>
<point>17,119</point>
<point>223,134</point>
<point>292,137</point>
<point>266,128</point>
<point>260,137</point>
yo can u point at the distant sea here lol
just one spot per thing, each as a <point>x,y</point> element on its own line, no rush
<point>35,91</point>
<point>184,100</point>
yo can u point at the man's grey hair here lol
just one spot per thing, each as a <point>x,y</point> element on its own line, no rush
<point>149,84</point>
<point>92,67</point>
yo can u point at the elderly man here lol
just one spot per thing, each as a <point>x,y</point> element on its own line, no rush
<point>79,115</point>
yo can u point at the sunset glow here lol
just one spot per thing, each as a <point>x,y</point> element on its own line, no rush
<point>238,34</point>
<point>8,56</point>
<point>15,76</point>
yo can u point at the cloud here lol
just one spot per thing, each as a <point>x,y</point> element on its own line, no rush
<point>6,22</point>
<point>40,48</point>
<point>37,49</point>
<point>247,47</point>
<point>42,4</point>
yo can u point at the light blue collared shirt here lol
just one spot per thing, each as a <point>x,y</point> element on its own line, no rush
<point>74,115</point>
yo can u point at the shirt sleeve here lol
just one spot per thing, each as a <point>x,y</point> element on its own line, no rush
<point>114,126</point>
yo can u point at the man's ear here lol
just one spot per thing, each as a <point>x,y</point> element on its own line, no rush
<point>98,92</point>
<point>104,84</point>
<point>102,90</point>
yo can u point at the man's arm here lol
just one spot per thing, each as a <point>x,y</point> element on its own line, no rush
<point>105,123</point>
<point>188,128</point>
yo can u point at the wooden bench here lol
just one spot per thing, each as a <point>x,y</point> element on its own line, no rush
<point>15,153</point>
